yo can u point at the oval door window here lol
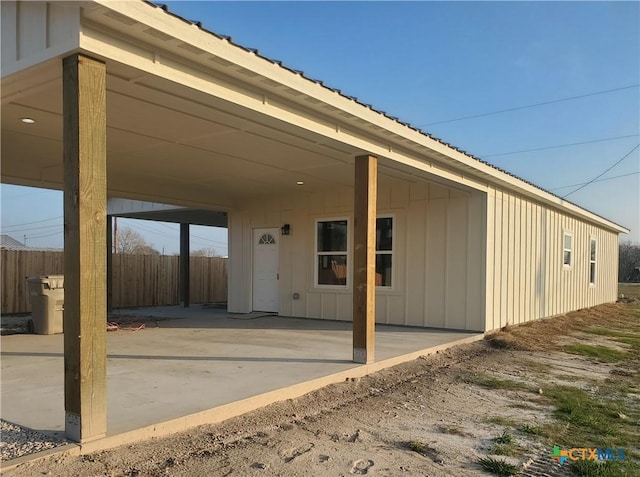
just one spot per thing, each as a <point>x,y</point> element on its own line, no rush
<point>266,239</point>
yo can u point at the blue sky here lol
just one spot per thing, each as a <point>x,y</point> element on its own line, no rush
<point>429,62</point>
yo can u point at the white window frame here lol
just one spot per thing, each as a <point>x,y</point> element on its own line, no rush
<point>389,252</point>
<point>565,234</point>
<point>593,261</point>
<point>317,253</point>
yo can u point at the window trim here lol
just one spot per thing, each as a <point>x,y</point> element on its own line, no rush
<point>391,252</point>
<point>567,266</point>
<point>347,286</point>
<point>593,262</point>
<point>317,253</point>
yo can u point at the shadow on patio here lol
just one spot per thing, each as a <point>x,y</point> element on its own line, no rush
<point>193,360</point>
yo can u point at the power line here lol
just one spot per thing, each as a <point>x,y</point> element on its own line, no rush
<point>34,222</point>
<point>151,223</point>
<point>43,236</point>
<point>603,173</point>
<point>532,105</point>
<point>168,226</point>
<point>559,145</point>
<point>165,235</point>
<point>33,228</point>
<point>148,230</point>
<point>209,240</point>
<point>599,180</point>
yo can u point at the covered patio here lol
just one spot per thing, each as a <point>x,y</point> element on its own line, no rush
<point>104,99</point>
<point>199,365</point>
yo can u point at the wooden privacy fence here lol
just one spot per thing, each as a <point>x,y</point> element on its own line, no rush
<point>138,280</point>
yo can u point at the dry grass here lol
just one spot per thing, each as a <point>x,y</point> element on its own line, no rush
<point>629,290</point>
<point>544,335</point>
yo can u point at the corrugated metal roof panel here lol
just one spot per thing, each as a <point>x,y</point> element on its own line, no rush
<point>6,241</point>
<point>167,10</point>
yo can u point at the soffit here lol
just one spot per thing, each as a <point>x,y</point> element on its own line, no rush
<point>162,139</point>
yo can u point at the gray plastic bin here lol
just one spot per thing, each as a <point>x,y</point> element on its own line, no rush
<point>47,303</point>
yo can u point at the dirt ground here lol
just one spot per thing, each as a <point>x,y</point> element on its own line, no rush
<point>436,416</point>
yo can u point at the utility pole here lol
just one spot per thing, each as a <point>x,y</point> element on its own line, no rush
<point>115,235</point>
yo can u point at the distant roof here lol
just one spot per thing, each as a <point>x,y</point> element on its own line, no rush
<point>9,243</point>
<point>6,241</point>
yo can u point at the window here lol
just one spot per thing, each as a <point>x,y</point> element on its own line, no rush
<point>267,239</point>
<point>384,251</point>
<point>592,261</point>
<point>331,252</point>
<point>567,254</point>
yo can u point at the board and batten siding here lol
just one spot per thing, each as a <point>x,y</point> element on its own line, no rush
<point>438,255</point>
<point>526,277</point>
<point>34,32</point>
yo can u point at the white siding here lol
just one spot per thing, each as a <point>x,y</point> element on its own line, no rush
<point>438,277</point>
<point>525,277</point>
<point>33,32</point>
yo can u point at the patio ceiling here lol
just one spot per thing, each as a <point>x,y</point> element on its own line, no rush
<point>169,143</point>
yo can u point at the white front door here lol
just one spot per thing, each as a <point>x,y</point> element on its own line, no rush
<point>265,269</point>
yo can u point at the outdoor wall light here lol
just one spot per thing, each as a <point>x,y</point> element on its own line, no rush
<point>285,229</point>
<point>27,120</point>
<point>300,182</point>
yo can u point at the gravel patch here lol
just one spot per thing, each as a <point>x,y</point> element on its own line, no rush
<point>17,441</point>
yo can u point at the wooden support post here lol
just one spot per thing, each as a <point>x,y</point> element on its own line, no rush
<point>364,258</point>
<point>85,205</point>
<point>184,265</point>
<point>109,263</point>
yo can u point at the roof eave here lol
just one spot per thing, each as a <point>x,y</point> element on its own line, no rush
<point>352,111</point>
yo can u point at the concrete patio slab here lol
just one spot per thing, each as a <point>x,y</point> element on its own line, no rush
<point>197,365</point>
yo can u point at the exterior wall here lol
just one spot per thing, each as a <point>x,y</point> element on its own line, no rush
<point>33,32</point>
<point>438,259</point>
<point>526,279</point>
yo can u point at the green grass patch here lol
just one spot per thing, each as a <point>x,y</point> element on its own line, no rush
<point>491,382</point>
<point>610,332</point>
<point>591,419</point>
<point>601,353</point>
<point>502,421</point>
<point>505,444</point>
<point>424,450</point>
<point>417,446</point>
<point>634,342</point>
<point>631,339</point>
<point>550,430</point>
<point>531,430</point>
<point>498,466</point>
<point>504,438</point>
<point>505,449</point>
<point>593,468</point>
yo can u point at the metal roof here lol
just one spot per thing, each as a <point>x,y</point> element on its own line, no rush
<point>9,243</point>
<point>301,73</point>
<point>6,241</point>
